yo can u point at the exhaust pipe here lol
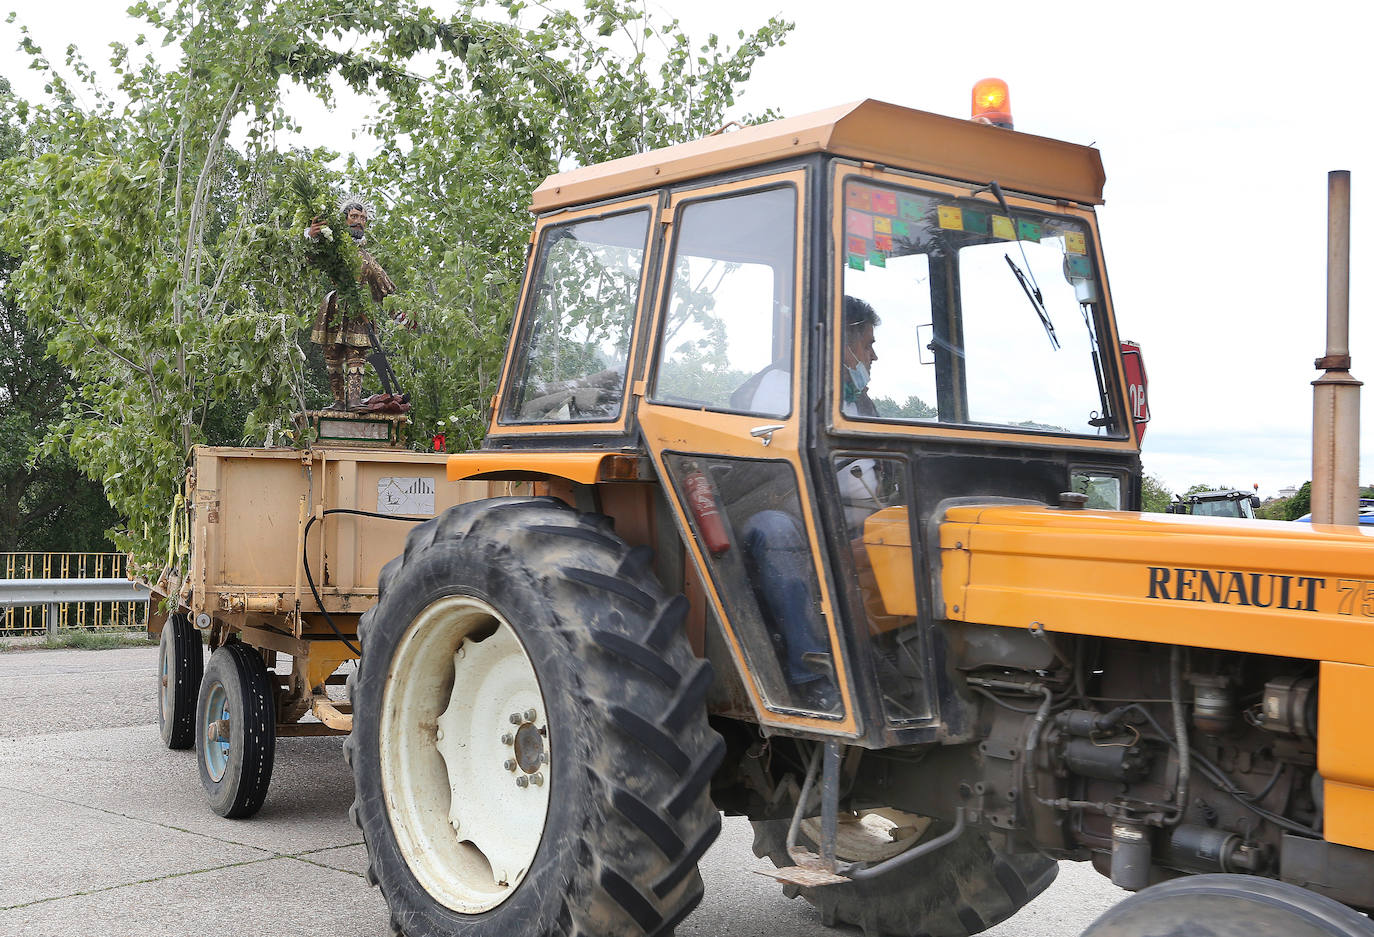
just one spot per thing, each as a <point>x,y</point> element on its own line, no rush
<point>1336,395</point>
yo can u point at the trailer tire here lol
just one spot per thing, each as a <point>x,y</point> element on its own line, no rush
<point>236,691</point>
<point>582,634</point>
<point>1225,905</point>
<point>962,889</point>
<point>181,665</point>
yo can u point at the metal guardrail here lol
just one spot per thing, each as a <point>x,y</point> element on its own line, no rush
<point>52,594</point>
<point>46,592</point>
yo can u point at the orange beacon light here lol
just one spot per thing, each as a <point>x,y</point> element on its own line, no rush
<point>992,103</point>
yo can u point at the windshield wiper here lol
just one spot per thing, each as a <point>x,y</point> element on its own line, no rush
<point>1036,300</point>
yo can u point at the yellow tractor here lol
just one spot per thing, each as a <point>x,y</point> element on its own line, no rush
<point>812,412</point>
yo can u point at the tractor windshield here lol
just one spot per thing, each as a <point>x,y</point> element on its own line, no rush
<point>979,315</point>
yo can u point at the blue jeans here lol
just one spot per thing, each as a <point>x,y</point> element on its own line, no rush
<point>779,563</point>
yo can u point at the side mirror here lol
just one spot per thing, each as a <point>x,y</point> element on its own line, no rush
<point>1254,501</point>
<point>1176,507</point>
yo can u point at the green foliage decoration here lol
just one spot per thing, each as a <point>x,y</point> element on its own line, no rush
<point>334,252</point>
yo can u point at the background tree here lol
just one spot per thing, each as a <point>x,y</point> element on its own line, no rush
<point>45,504</point>
<point>156,256</point>
<point>1154,494</point>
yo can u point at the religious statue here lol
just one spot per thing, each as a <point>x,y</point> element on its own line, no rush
<point>343,329</point>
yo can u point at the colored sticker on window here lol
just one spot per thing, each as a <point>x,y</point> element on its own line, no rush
<point>901,229</point>
<point>913,209</point>
<point>883,242</point>
<point>951,218</point>
<point>1075,243</point>
<point>976,222</point>
<point>877,258</point>
<point>884,203</point>
<point>1002,228</point>
<point>857,222</point>
<point>1027,230</point>
<point>858,196</point>
<point>1077,266</point>
<point>882,225</point>
<point>856,262</point>
<point>857,245</point>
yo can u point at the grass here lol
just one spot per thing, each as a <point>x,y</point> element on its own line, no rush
<point>81,640</point>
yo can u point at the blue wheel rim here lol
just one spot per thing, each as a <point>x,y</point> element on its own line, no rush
<point>216,750</point>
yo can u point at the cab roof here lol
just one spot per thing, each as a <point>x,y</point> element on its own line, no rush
<point>869,130</point>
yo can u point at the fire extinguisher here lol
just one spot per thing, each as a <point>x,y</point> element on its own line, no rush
<point>701,498</point>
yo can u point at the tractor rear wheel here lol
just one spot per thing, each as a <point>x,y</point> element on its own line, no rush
<point>962,889</point>
<point>530,746</point>
<point>1229,906</point>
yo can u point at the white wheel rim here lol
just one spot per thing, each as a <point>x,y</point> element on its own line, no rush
<point>457,700</point>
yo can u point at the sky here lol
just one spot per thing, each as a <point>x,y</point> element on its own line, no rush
<point>1218,123</point>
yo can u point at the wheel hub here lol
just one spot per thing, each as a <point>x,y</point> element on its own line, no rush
<point>529,748</point>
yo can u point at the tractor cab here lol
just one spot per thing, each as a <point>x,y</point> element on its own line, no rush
<point>1221,503</point>
<point>815,333</point>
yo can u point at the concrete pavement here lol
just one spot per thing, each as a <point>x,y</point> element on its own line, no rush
<point>108,832</point>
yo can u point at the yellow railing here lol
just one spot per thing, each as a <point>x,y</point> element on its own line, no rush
<point>78,616</point>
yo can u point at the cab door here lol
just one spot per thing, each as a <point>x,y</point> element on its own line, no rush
<point>721,410</point>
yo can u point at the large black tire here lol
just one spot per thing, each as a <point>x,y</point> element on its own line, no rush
<point>181,665</point>
<point>237,689</point>
<point>622,702</point>
<point>1229,906</point>
<point>960,889</point>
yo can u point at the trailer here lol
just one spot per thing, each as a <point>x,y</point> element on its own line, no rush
<point>275,554</point>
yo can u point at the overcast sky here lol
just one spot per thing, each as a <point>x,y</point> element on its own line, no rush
<point>1217,123</point>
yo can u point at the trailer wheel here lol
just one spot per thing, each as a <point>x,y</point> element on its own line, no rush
<point>236,732</point>
<point>962,889</point>
<point>530,746</point>
<point>180,666</point>
<point>1229,906</point>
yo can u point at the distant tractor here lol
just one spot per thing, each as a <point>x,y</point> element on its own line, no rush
<point>1226,502</point>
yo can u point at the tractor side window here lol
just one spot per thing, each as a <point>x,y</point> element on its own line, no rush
<point>727,341</point>
<point>746,514</point>
<point>874,495</point>
<point>571,366</point>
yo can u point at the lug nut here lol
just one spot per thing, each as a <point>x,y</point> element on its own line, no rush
<point>522,781</point>
<point>510,764</point>
<point>536,779</point>
<point>507,738</point>
<point>529,715</point>
<point>515,719</point>
<point>543,758</point>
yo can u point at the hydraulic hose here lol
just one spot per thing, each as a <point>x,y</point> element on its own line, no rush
<point>305,560</point>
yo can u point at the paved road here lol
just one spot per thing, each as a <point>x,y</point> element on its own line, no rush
<point>108,834</point>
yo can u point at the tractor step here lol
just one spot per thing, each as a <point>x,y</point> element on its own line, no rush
<point>810,871</point>
<point>805,877</point>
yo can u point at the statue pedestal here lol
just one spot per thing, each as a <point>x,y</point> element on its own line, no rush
<point>341,429</point>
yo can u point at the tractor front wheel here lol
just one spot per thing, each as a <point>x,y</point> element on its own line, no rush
<point>1225,905</point>
<point>530,745</point>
